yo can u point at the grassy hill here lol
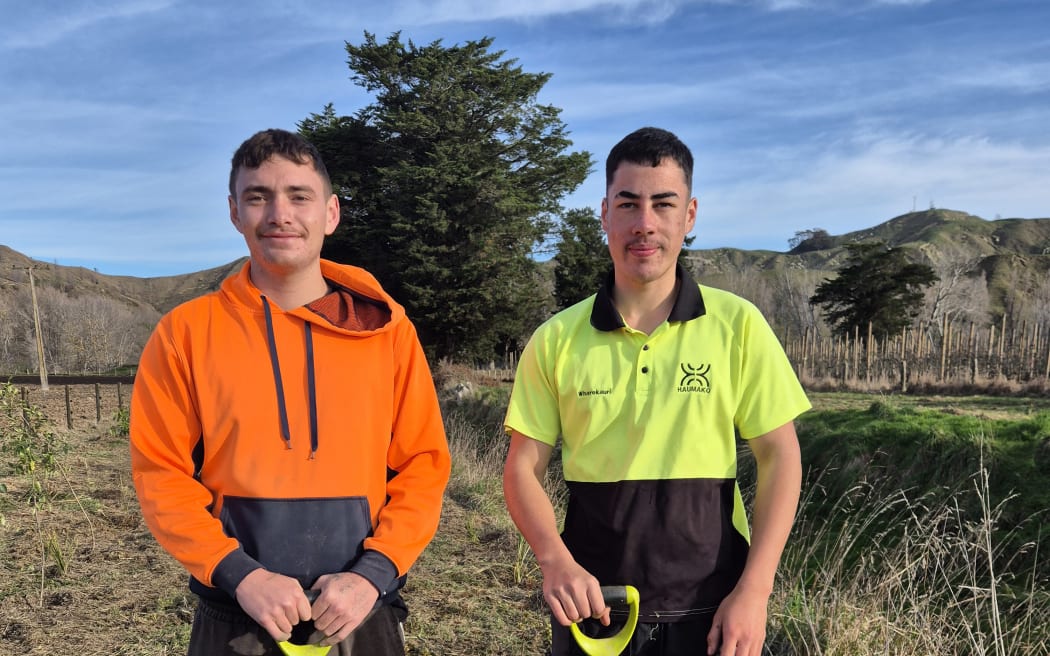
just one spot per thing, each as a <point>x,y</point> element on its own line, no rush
<point>160,293</point>
<point>939,235</point>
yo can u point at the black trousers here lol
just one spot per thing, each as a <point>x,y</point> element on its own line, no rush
<point>222,630</point>
<point>687,638</point>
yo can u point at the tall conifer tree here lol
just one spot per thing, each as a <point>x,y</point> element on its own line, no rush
<point>450,179</point>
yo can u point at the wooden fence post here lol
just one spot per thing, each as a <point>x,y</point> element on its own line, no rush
<point>1002,338</point>
<point>805,353</point>
<point>1047,376</point>
<point>945,327</point>
<point>69,409</point>
<point>98,403</point>
<point>868,355</point>
<point>856,352</point>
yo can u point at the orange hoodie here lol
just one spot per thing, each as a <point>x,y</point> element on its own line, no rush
<point>270,438</point>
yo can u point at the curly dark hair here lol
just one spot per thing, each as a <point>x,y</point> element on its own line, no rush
<point>265,144</point>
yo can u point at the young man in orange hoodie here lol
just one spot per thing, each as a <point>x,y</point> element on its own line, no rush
<point>285,430</point>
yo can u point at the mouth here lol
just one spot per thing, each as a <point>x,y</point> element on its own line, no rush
<point>642,249</point>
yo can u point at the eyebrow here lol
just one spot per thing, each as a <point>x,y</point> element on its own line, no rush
<point>257,189</point>
<point>633,196</point>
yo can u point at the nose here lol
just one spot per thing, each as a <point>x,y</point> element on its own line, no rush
<point>645,221</point>
<point>278,210</point>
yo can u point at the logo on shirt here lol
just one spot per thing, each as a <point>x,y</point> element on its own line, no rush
<point>594,392</point>
<point>695,378</point>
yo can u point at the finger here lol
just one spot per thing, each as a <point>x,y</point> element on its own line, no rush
<point>558,610</point>
<point>596,602</point>
<point>714,637</point>
<point>288,614</point>
<point>326,622</point>
<point>343,633</point>
<point>300,611</point>
<point>276,632</point>
<point>330,621</point>
<point>325,612</point>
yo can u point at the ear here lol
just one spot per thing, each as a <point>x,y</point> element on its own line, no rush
<point>690,214</point>
<point>605,211</point>
<point>235,218</point>
<point>332,214</point>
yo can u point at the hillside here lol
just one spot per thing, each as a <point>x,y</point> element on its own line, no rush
<point>995,248</point>
<point>941,236</point>
<point>160,293</point>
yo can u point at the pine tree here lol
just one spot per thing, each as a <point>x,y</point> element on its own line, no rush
<point>877,284</point>
<point>450,179</point>
<point>582,258</point>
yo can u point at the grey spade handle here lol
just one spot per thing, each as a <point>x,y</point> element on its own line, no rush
<point>615,595</point>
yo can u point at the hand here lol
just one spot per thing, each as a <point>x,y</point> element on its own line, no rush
<point>572,593</point>
<point>275,601</point>
<point>739,624</point>
<point>345,601</point>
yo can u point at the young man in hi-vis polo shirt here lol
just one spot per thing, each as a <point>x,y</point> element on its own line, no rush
<point>647,384</point>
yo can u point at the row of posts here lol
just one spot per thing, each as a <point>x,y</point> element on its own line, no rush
<point>1021,357</point>
<point>69,403</point>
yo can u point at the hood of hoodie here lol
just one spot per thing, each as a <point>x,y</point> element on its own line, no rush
<point>240,291</point>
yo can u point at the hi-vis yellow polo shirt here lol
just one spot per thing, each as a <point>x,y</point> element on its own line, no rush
<point>648,426</point>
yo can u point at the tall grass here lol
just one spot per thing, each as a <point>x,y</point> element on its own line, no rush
<point>867,573</point>
<point>918,533</point>
<point>872,567</point>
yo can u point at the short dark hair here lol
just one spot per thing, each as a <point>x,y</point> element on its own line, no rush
<point>265,144</point>
<point>650,146</point>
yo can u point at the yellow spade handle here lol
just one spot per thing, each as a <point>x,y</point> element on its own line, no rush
<point>291,649</point>
<point>613,645</point>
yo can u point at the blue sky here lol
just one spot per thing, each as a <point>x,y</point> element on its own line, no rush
<point>119,117</point>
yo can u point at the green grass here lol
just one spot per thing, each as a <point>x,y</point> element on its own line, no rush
<point>936,453</point>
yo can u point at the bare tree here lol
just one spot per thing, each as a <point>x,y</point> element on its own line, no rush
<point>10,352</point>
<point>81,334</point>
<point>792,310</point>
<point>1039,301</point>
<point>960,294</point>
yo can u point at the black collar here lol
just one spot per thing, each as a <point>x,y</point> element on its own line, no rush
<point>688,304</point>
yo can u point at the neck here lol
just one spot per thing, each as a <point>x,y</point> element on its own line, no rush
<point>290,290</point>
<point>644,307</point>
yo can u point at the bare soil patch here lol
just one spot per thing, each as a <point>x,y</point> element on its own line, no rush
<point>80,571</point>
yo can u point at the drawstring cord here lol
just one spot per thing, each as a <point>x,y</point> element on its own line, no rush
<point>311,389</point>
<point>282,409</point>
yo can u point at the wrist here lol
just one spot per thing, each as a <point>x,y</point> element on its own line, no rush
<point>553,555</point>
<point>755,585</point>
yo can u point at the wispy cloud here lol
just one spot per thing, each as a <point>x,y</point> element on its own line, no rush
<point>121,115</point>
<point>645,11</point>
<point>870,179</point>
<point>30,28</point>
